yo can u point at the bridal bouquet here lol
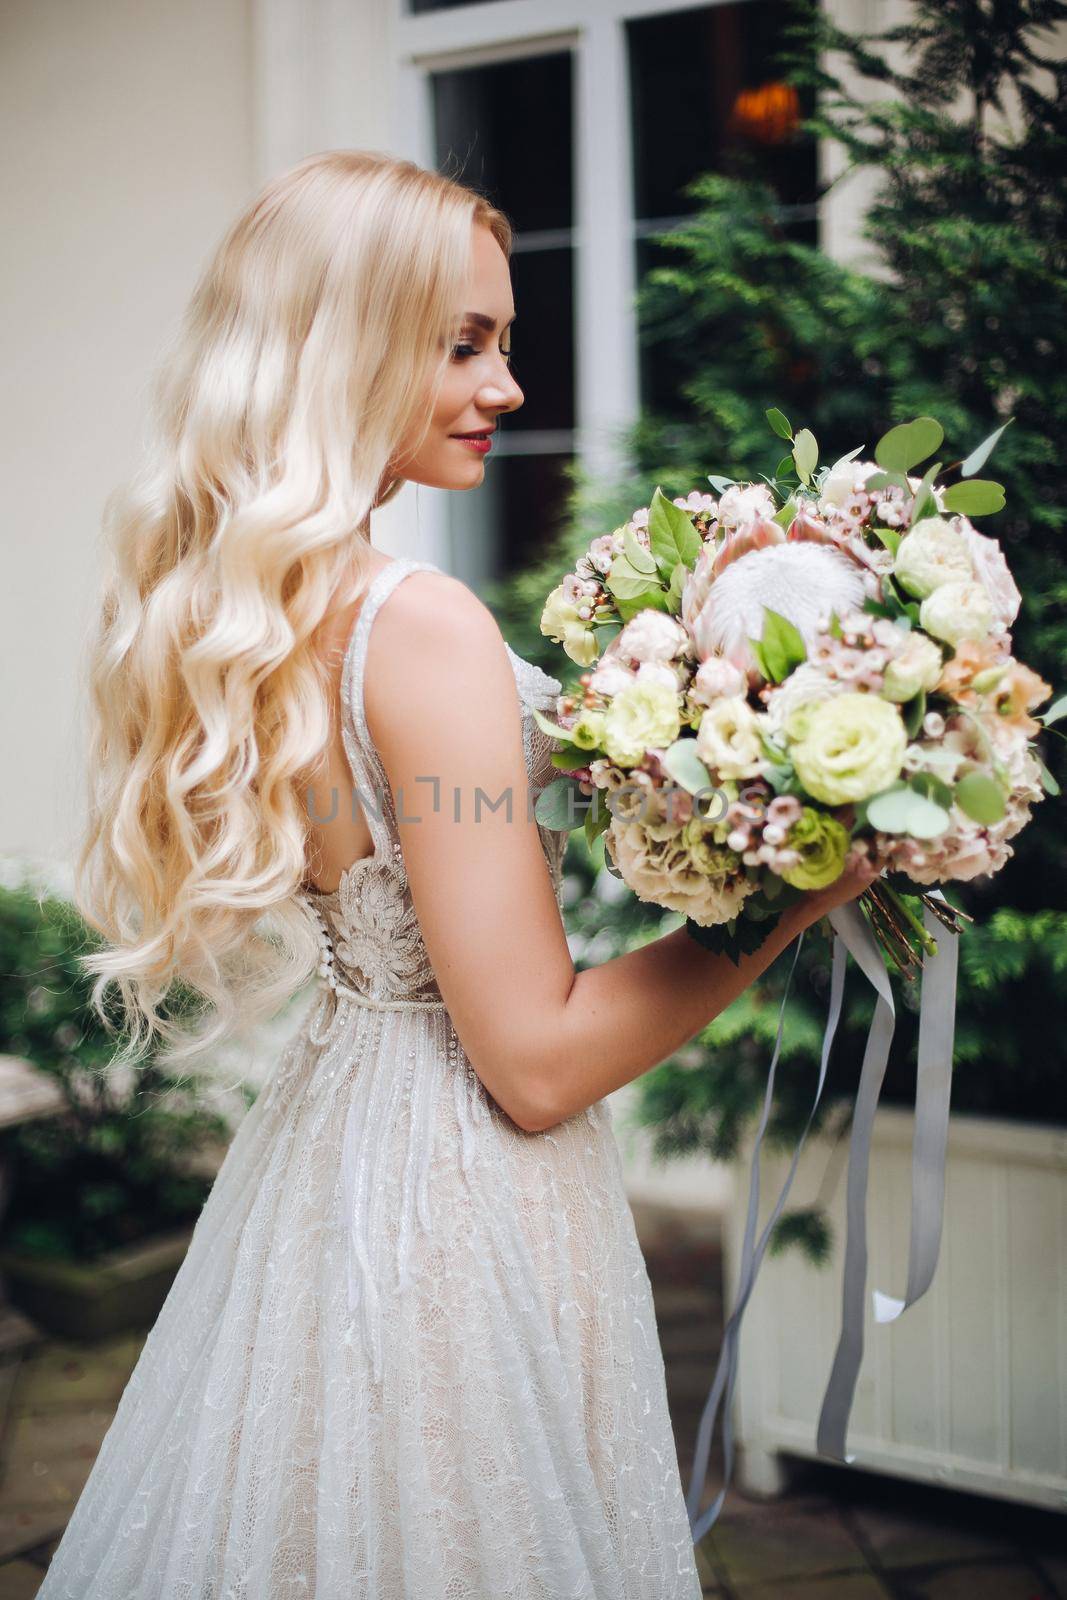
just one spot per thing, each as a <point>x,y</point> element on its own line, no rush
<point>780,678</point>
<point>790,674</point>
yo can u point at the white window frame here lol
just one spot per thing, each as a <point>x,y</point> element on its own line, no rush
<point>303,51</point>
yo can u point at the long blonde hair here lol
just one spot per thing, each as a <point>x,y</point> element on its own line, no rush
<point>315,341</point>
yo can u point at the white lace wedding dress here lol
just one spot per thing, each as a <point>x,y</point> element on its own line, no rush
<point>411,1353</point>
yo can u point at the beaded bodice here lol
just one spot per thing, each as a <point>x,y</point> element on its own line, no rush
<point>372,946</point>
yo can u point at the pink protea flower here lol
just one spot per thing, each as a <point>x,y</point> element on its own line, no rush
<point>801,579</point>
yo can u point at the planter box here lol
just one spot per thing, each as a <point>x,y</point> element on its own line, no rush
<point>969,1386</point>
<point>122,1290</point>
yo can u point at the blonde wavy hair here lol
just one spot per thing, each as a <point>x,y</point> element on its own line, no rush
<point>314,343</point>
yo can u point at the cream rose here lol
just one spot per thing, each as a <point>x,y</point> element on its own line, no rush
<point>957,611</point>
<point>933,553</point>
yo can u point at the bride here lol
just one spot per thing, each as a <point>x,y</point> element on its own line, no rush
<point>411,1351</point>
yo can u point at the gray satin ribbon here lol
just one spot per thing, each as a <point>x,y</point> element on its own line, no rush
<point>936,1024</point>
<point>937,1018</point>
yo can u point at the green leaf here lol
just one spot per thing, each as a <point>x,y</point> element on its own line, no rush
<point>604,632</point>
<point>981,453</point>
<point>546,725</point>
<point>720,484</point>
<point>626,582</point>
<point>784,466</point>
<point>908,443</point>
<point>779,423</point>
<point>923,497</point>
<point>597,817</point>
<point>932,787</point>
<point>1056,710</point>
<point>671,533</point>
<point>981,797</point>
<point>835,625</point>
<point>890,537</point>
<point>757,651</point>
<point>679,574</point>
<point>572,756</point>
<point>805,454</point>
<point>901,810</point>
<point>681,761</point>
<point>882,480</point>
<point>787,512</point>
<point>630,606</point>
<point>1048,782</point>
<point>553,805</point>
<point>913,714</point>
<point>640,558</point>
<point>979,497</point>
<point>782,645</point>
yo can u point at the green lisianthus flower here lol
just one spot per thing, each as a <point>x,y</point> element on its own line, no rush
<point>823,844</point>
<point>848,748</point>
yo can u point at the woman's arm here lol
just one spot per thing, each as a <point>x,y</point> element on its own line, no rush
<point>443,710</point>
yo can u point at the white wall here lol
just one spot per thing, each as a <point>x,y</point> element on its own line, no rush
<point>126,130</point>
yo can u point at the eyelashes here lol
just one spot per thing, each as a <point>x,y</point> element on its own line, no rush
<point>462,351</point>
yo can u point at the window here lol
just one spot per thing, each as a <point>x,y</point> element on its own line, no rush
<point>705,97</point>
<point>482,122</point>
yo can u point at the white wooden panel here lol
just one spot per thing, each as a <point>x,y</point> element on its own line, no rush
<point>968,1386</point>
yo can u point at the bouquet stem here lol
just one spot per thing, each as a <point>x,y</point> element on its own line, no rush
<point>900,932</point>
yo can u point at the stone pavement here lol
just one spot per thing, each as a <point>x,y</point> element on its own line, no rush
<point>837,1535</point>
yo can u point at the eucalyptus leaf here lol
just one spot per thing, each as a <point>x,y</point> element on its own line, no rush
<point>1048,782</point>
<point>555,807</point>
<point>720,485</point>
<point>1056,710</point>
<point>981,797</point>
<point>902,810</point>
<point>883,480</point>
<point>784,466</point>
<point>681,761</point>
<point>982,452</point>
<point>924,496</point>
<point>979,497</point>
<point>604,632</point>
<point>805,454</point>
<point>779,423</point>
<point>932,787</point>
<point>908,443</point>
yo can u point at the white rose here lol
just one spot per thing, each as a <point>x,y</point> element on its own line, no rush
<point>658,672</point>
<point>933,553</point>
<point>957,611</point>
<point>728,739</point>
<point>652,636</point>
<point>917,667</point>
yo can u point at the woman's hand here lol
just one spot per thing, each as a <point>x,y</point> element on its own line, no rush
<point>820,902</point>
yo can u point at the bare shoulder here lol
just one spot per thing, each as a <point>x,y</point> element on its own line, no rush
<point>434,617</point>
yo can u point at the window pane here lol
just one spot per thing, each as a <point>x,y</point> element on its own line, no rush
<point>506,130</point>
<point>707,97</point>
<point>483,117</point>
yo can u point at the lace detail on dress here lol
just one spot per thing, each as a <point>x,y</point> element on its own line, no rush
<point>373,950</point>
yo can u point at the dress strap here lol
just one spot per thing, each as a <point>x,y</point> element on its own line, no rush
<point>368,773</point>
